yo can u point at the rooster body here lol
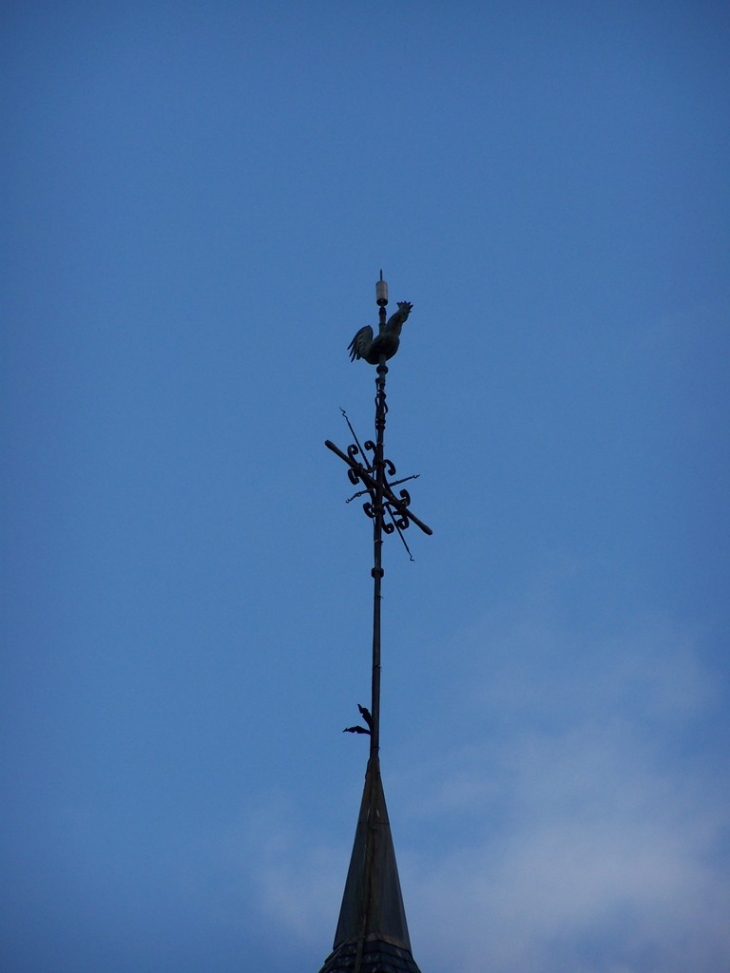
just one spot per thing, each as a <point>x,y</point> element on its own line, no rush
<point>385,344</point>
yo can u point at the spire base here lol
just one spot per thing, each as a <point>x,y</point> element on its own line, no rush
<point>378,956</point>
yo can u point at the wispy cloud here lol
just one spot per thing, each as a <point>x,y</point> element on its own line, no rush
<point>283,873</point>
<point>602,846</point>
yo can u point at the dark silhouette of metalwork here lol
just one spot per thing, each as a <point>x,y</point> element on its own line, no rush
<point>372,933</point>
<point>366,715</point>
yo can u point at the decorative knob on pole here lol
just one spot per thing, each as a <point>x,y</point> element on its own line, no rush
<point>381,291</point>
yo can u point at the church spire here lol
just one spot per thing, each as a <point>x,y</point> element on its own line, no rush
<point>372,932</point>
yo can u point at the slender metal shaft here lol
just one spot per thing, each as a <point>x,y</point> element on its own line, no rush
<point>377,572</point>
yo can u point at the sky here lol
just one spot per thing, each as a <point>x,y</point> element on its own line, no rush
<point>197,200</point>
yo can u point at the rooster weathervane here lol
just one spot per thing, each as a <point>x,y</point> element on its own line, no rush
<point>385,345</point>
<point>389,510</point>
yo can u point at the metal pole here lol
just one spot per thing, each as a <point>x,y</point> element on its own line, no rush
<point>377,572</point>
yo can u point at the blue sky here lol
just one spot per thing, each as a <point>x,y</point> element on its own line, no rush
<point>197,200</point>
